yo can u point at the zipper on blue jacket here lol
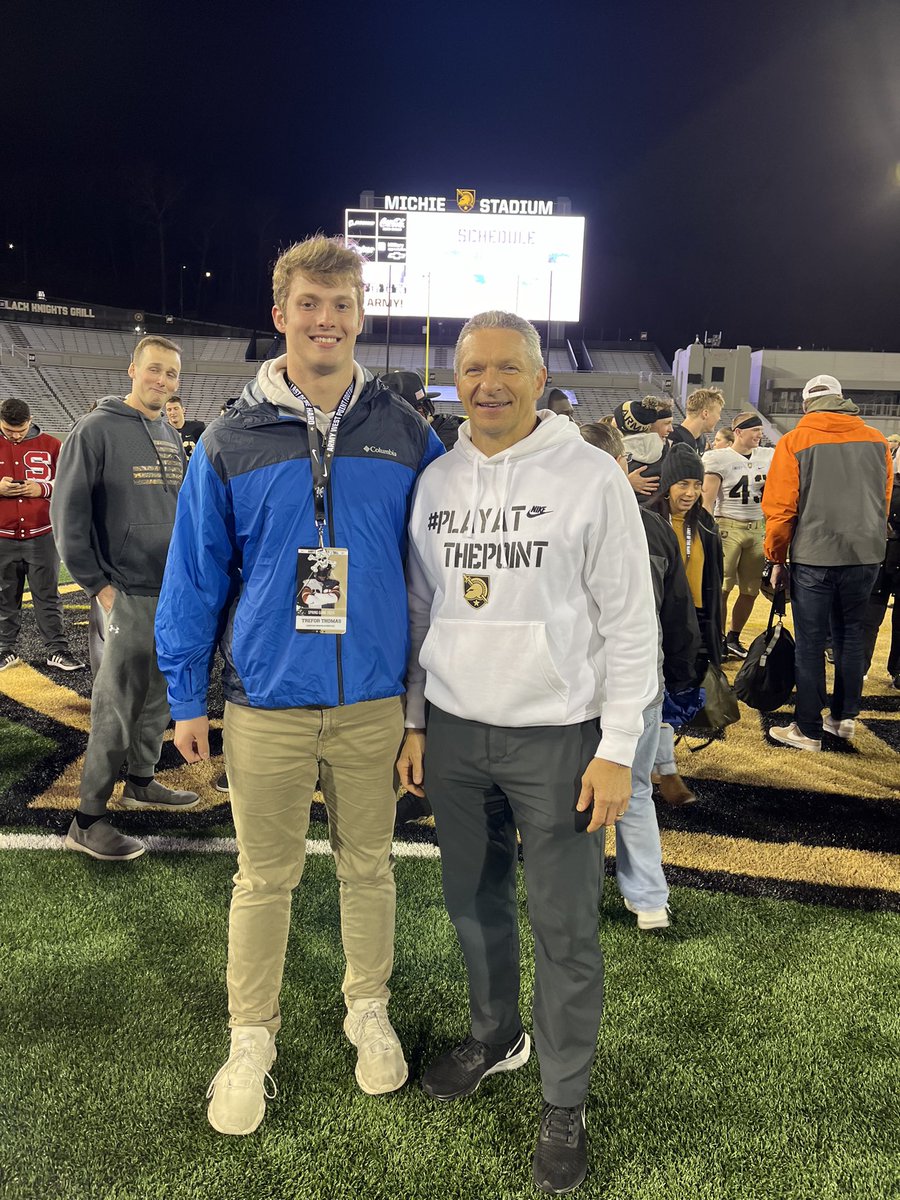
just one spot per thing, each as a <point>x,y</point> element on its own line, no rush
<point>337,639</point>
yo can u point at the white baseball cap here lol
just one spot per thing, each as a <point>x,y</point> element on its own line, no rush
<point>822,385</point>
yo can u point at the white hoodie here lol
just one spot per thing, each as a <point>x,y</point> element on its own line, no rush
<point>544,617</point>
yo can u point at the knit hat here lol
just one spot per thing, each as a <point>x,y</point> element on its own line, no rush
<point>680,463</point>
<point>634,416</point>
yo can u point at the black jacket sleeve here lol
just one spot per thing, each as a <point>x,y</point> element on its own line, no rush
<point>684,661</point>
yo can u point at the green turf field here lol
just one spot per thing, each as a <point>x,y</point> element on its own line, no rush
<point>749,1056</point>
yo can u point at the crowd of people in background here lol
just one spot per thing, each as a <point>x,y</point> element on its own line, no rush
<point>550,619</point>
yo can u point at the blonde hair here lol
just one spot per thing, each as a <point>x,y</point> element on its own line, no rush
<point>154,339</point>
<point>659,404</point>
<point>742,416</point>
<point>326,261</point>
<point>704,398</point>
<point>726,434</point>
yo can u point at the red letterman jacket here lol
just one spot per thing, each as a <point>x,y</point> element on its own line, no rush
<point>33,459</point>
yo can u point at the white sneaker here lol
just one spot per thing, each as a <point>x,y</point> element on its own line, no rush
<point>238,1093</point>
<point>380,1065</point>
<point>790,735</point>
<point>842,729</point>
<point>650,918</point>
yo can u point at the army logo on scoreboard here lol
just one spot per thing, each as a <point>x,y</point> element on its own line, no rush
<point>465,199</point>
<point>476,590</point>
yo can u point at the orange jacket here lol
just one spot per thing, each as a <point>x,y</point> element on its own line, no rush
<point>828,492</point>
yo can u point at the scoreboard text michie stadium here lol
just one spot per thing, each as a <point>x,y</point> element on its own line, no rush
<point>423,258</point>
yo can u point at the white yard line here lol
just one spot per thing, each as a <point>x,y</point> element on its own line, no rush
<point>175,845</point>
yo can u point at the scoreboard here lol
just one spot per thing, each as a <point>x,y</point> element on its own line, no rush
<point>455,264</point>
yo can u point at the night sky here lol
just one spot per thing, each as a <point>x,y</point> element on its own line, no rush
<point>738,164</point>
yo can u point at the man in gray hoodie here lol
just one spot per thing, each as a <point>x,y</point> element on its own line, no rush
<point>113,508</point>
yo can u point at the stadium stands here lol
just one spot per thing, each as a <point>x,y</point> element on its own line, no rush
<point>597,402</point>
<point>27,384</point>
<point>204,395</point>
<point>624,362</point>
<point>57,396</point>
<point>111,343</point>
<point>74,366</point>
<point>106,342</point>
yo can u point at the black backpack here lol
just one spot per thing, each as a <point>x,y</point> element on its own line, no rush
<point>766,679</point>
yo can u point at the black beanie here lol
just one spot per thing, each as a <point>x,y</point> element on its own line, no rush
<point>634,416</point>
<point>680,463</point>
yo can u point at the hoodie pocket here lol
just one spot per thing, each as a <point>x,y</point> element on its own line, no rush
<point>497,672</point>
<point>143,554</point>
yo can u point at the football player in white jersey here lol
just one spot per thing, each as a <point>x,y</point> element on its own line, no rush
<point>732,492</point>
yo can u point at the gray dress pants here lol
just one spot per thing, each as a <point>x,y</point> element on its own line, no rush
<point>129,709</point>
<point>483,782</point>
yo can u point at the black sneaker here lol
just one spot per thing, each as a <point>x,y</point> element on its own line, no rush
<point>62,660</point>
<point>734,647</point>
<point>560,1156</point>
<point>221,784</point>
<point>460,1070</point>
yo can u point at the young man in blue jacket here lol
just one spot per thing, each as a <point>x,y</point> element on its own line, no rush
<point>308,478</point>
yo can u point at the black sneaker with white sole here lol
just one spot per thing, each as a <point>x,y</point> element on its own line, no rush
<point>460,1071</point>
<point>560,1156</point>
<point>63,661</point>
<point>734,647</point>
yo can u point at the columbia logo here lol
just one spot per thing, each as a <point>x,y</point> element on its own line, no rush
<point>379,450</point>
<point>537,510</point>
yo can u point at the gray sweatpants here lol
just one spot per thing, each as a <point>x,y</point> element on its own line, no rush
<point>37,560</point>
<point>483,782</point>
<point>129,709</point>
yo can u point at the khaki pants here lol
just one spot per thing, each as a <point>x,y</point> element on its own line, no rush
<point>742,550</point>
<point>274,757</point>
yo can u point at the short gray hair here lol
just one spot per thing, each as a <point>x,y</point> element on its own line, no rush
<point>496,319</point>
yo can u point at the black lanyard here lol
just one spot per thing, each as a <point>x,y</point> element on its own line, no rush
<point>320,462</point>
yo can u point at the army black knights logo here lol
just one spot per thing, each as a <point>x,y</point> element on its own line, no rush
<point>465,199</point>
<point>476,590</point>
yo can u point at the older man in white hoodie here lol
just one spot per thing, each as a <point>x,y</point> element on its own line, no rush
<point>534,640</point>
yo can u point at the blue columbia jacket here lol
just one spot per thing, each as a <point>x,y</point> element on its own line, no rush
<point>245,508</point>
